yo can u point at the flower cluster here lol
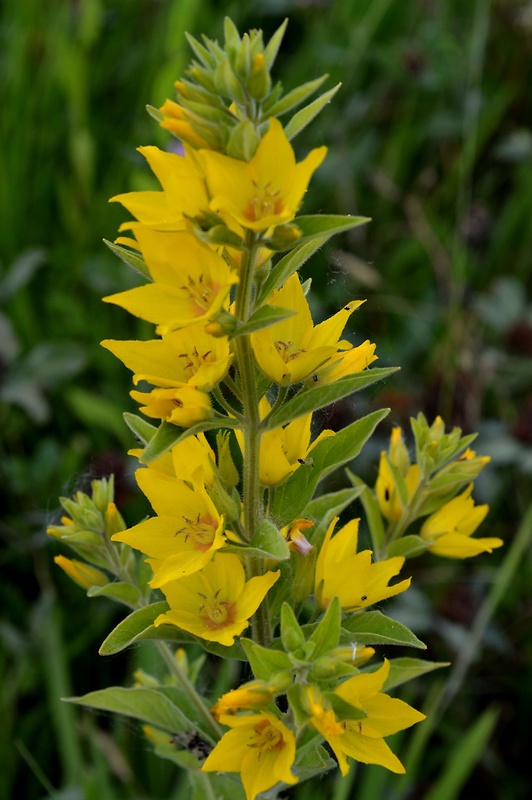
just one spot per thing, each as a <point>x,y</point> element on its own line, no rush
<point>242,539</point>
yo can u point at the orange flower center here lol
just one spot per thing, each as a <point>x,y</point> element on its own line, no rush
<point>200,294</point>
<point>266,202</point>
<point>202,530</point>
<point>194,360</point>
<point>216,613</point>
<point>266,736</point>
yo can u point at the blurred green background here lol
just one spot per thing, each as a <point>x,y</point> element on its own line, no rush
<point>431,136</point>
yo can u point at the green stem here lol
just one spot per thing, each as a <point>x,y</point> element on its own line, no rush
<point>217,392</point>
<point>252,495</point>
<point>185,684</point>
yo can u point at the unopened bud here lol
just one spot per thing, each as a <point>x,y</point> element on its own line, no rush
<point>82,574</point>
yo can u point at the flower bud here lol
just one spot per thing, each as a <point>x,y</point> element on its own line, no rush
<point>82,574</point>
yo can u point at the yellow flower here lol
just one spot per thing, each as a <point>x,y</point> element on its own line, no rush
<point>260,747</point>
<point>363,739</point>
<point>182,405</point>
<point>186,532</point>
<point>293,349</point>
<point>184,192</point>
<point>282,450</point>
<point>348,362</point>
<point>265,191</point>
<point>191,281</point>
<point>216,603</point>
<point>192,457</point>
<point>82,574</point>
<point>250,696</point>
<point>188,356</point>
<point>351,576</point>
<point>452,527</point>
<point>395,467</point>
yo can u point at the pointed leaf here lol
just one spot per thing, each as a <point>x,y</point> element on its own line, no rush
<point>316,397</point>
<point>142,431</point>
<point>264,661</point>
<point>312,761</point>
<point>263,318</point>
<point>330,505</point>
<point>272,48</point>
<point>320,224</point>
<point>307,114</point>
<point>120,591</point>
<point>148,705</point>
<point>327,633</point>
<point>372,627</point>
<point>167,435</point>
<point>291,633</point>
<point>130,257</point>
<point>295,97</point>
<point>407,546</point>
<point>291,497</point>
<point>129,628</point>
<point>405,669</point>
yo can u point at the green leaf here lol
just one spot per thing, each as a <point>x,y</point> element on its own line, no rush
<point>316,397</point>
<point>311,761</point>
<point>330,505</point>
<point>271,49</point>
<point>320,224</point>
<point>263,318</point>
<point>167,435</point>
<point>295,97</point>
<point>132,626</point>
<point>405,669</point>
<point>148,705</point>
<point>292,497</point>
<point>307,114</point>
<point>171,633</point>
<point>289,264</point>
<point>372,510</point>
<point>269,540</point>
<point>131,258</point>
<point>120,591</point>
<point>291,634</point>
<point>142,431</point>
<point>372,627</point>
<point>263,661</point>
<point>407,546</point>
<point>327,633</point>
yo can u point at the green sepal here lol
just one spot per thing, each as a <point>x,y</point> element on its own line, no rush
<point>129,257</point>
<point>120,591</point>
<point>168,435</point>
<point>243,141</point>
<point>307,114</point>
<point>373,627</point>
<point>342,708</point>
<point>408,547</point>
<point>289,264</point>
<point>291,497</point>
<point>372,511</point>
<point>293,694</point>
<point>291,634</point>
<point>317,397</point>
<point>127,631</point>
<point>327,633</point>
<point>269,540</point>
<point>201,52</point>
<point>262,318</point>
<point>265,662</point>
<point>142,431</point>
<point>311,761</point>
<point>155,113</point>
<point>295,97</point>
<point>272,48</point>
<point>149,705</point>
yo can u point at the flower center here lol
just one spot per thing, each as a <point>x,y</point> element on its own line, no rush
<point>200,294</point>
<point>216,613</point>
<point>266,737</point>
<point>202,530</point>
<point>265,203</point>
<point>287,350</point>
<point>194,360</point>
